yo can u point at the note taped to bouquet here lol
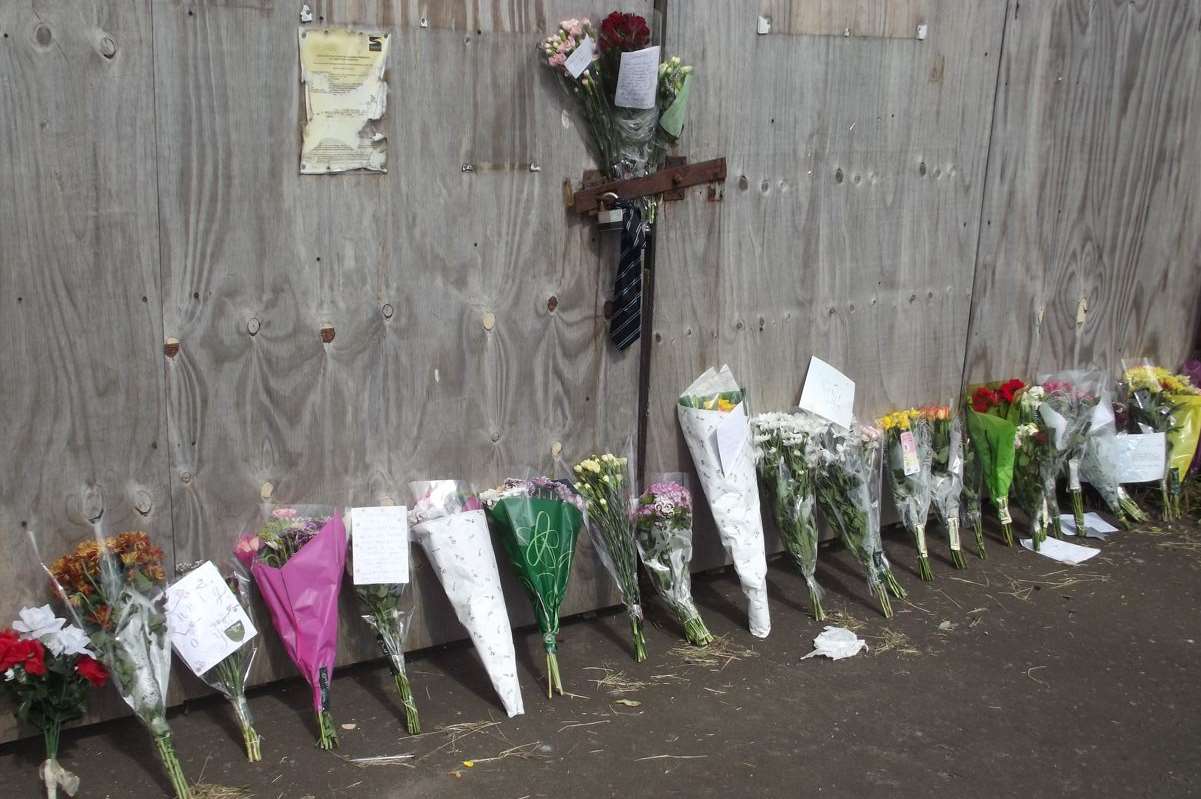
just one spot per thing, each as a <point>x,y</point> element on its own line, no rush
<point>344,97</point>
<point>205,621</point>
<point>731,436</point>
<point>828,393</point>
<point>910,464</point>
<point>638,79</point>
<point>379,541</point>
<point>580,58</point>
<point>1140,457</point>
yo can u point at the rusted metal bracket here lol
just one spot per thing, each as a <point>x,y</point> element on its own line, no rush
<point>669,182</point>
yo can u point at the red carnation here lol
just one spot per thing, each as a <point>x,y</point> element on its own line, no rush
<point>9,644</point>
<point>91,670</point>
<point>1010,389</point>
<point>983,399</point>
<point>624,32</point>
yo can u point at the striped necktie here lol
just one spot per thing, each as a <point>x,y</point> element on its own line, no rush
<point>626,325</point>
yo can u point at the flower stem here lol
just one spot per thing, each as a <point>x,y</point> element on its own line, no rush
<point>412,721</point>
<point>639,639</point>
<point>923,569</point>
<point>166,753</point>
<point>1078,509</point>
<point>891,583</point>
<point>553,681</point>
<point>249,735</point>
<point>696,633</point>
<point>815,605</point>
<point>882,596</point>
<point>981,552</point>
<point>50,735</point>
<point>957,559</point>
<point>329,736</point>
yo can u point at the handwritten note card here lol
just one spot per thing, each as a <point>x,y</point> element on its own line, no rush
<point>638,79</point>
<point>1140,458</point>
<point>731,436</point>
<point>828,393</point>
<point>580,58</point>
<point>379,540</point>
<point>205,622</point>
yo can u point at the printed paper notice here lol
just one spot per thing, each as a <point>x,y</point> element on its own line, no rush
<point>580,57</point>
<point>205,621</point>
<point>731,436</point>
<point>638,79</point>
<point>344,96</point>
<point>828,393</point>
<point>379,541</point>
<point>1140,457</point>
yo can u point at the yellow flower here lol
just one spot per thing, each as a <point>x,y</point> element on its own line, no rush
<point>724,405</point>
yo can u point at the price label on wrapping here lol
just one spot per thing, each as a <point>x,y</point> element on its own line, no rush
<point>1074,474</point>
<point>909,460</point>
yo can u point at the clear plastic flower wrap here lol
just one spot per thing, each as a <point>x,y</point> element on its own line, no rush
<point>946,475</point>
<point>113,588</point>
<point>1070,402</point>
<point>1161,401</point>
<point>848,494</point>
<point>787,456</point>
<point>449,524</point>
<point>1033,460</point>
<point>606,482</point>
<point>714,400</point>
<point>908,462</point>
<point>389,614</point>
<point>970,512</point>
<point>664,536</point>
<point>1098,466</point>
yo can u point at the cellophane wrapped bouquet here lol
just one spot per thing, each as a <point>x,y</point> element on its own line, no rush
<point>663,530</point>
<point>908,464</point>
<point>787,456</point>
<point>605,483</point>
<point>449,524</point>
<point>114,590</point>
<point>716,400</point>
<point>970,512</point>
<point>296,555</point>
<point>1100,465</point>
<point>946,476</point>
<point>1070,402</point>
<point>994,435</point>
<point>848,494</point>
<point>538,522</point>
<point>1033,462</point>
<point>1161,401</point>
<point>46,669</point>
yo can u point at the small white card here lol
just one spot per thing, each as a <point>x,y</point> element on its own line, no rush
<point>205,621</point>
<point>1094,525</point>
<point>829,393</point>
<point>1141,458</point>
<point>909,460</point>
<point>638,79</point>
<point>1062,551</point>
<point>731,436</point>
<point>379,540</point>
<point>580,58</point>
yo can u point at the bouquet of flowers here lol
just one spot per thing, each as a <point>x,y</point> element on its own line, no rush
<point>993,437</point>
<point>538,522</point>
<point>946,476</point>
<point>604,483</point>
<point>46,669</point>
<point>848,493</point>
<point>1070,404</point>
<point>627,141</point>
<point>787,455</point>
<point>909,453</point>
<point>1100,467</point>
<point>450,525</point>
<point>1162,402</point>
<point>390,609</point>
<point>297,556</point>
<point>664,535</point>
<point>113,588</point>
<point>1034,460</point>
<point>712,401</point>
<point>973,487</point>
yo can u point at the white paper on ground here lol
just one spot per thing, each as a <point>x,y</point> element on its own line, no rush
<point>733,496</point>
<point>460,549</point>
<point>638,79</point>
<point>1094,525</point>
<point>1062,551</point>
<point>836,643</point>
<point>581,57</point>
<point>379,541</point>
<point>731,436</point>
<point>205,621</point>
<point>828,393</point>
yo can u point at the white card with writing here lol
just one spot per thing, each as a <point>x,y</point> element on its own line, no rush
<point>205,621</point>
<point>638,79</point>
<point>1140,458</point>
<point>379,541</point>
<point>731,436</point>
<point>828,393</point>
<point>580,57</point>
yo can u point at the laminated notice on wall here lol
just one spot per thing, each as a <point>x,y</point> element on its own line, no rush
<point>345,96</point>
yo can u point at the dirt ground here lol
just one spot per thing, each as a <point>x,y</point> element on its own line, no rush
<point>1016,677</point>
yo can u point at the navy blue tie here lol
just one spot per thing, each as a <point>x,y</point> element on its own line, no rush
<point>626,325</point>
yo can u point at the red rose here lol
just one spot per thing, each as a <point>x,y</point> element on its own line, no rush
<point>29,655</point>
<point>983,399</point>
<point>10,646</point>
<point>1041,437</point>
<point>1010,389</point>
<point>624,32</point>
<point>91,670</point>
